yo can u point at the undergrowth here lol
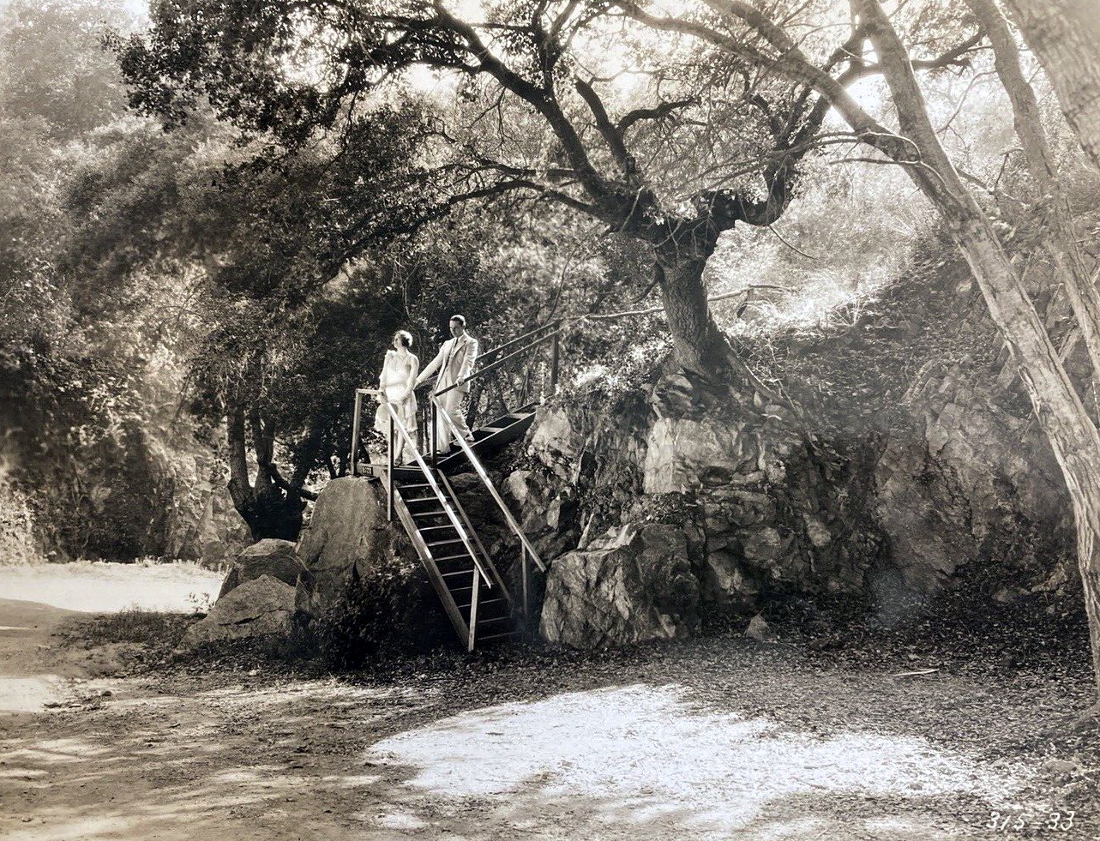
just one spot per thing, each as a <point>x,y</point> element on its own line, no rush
<point>157,631</point>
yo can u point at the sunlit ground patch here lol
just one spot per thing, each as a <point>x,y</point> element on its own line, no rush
<point>27,694</point>
<point>108,587</point>
<point>645,754</point>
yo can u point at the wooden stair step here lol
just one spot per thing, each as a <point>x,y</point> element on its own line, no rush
<point>457,572</point>
<point>465,556</point>
<point>455,540</point>
<point>488,604</point>
<point>500,636</point>
<point>424,492</point>
<point>419,499</point>
<point>493,619</point>
<point>417,493</point>
<point>503,422</point>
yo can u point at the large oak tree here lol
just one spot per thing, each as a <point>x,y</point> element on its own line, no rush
<point>554,99</point>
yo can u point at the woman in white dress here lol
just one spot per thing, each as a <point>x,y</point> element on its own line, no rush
<point>396,385</point>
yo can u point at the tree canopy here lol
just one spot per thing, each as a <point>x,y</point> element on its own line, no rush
<point>563,102</point>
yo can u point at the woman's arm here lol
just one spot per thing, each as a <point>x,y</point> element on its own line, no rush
<point>414,369</point>
<point>382,377</point>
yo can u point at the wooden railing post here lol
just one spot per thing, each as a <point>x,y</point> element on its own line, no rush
<point>473,611</point>
<point>389,471</point>
<point>355,431</point>
<point>434,435</point>
<point>523,562</point>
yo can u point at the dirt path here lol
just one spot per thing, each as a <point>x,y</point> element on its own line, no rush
<point>713,739</point>
<point>27,683</point>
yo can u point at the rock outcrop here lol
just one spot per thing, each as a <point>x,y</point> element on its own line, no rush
<point>277,558</point>
<point>969,481</point>
<point>631,585</point>
<point>262,608</point>
<point>770,507</point>
<point>114,479</point>
<point>348,538</point>
<point>764,511</point>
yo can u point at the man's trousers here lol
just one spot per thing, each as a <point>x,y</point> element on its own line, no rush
<point>454,401</point>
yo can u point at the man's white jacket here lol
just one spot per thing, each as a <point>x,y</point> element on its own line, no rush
<point>455,362</point>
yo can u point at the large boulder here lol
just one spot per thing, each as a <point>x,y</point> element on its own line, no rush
<point>545,509</point>
<point>701,439</point>
<point>631,585</point>
<point>348,539</point>
<point>270,556</point>
<point>260,608</point>
<point>686,453</point>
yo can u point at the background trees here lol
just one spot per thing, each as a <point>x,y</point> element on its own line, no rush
<point>554,100</point>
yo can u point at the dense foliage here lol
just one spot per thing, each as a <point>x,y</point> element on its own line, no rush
<point>246,268</point>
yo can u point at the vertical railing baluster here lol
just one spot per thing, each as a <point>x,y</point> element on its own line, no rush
<point>523,562</point>
<point>355,431</point>
<point>389,470</point>
<point>434,433</point>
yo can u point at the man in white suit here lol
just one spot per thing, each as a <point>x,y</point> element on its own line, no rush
<point>455,363</point>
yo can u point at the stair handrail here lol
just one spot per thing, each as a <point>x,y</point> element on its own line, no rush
<point>484,476</point>
<point>556,323</point>
<point>497,363</point>
<point>395,423</point>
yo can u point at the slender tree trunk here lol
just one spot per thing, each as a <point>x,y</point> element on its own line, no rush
<point>268,511</point>
<point>1061,240</point>
<point>1072,434</point>
<point>1062,415</point>
<point>240,488</point>
<point>1065,37</point>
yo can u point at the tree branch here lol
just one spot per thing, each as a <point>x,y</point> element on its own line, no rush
<point>956,57</point>
<point>541,99</point>
<point>658,112</point>
<point>610,133</point>
<point>279,482</point>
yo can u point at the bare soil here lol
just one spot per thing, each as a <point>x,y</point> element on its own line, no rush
<point>713,738</point>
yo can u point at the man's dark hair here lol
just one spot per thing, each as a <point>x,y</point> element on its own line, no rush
<point>461,319</point>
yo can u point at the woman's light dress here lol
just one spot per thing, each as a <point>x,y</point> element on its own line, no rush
<point>397,382</point>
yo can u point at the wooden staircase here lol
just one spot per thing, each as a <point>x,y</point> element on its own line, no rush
<point>472,592</point>
<point>420,495</point>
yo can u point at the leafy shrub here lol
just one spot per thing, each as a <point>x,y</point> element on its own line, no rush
<point>390,609</point>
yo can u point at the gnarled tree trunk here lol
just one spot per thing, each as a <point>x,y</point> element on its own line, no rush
<point>1065,36</point>
<point>269,510</point>
<point>700,346</point>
